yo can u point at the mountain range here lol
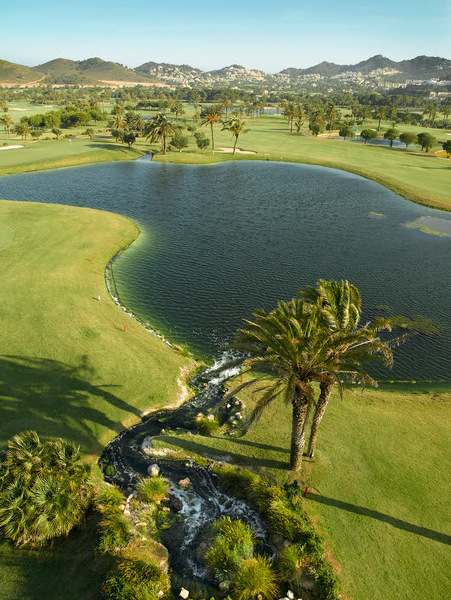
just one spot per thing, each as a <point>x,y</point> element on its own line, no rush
<point>95,71</point>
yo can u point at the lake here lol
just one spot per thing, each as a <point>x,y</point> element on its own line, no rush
<point>220,241</point>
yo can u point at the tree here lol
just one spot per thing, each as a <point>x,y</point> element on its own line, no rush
<point>179,141</point>
<point>7,121</point>
<point>408,138</point>
<point>368,134</point>
<point>210,116</point>
<point>159,128</point>
<point>176,107</point>
<point>426,141</point>
<point>339,307</point>
<point>202,143</point>
<point>346,132</point>
<point>36,134</point>
<point>22,129</point>
<point>118,134</point>
<point>391,135</point>
<point>316,127</point>
<point>236,127</point>
<point>331,114</point>
<point>57,132</point>
<point>289,349</point>
<point>129,138</point>
<point>447,147</point>
<point>44,489</point>
<point>379,114</point>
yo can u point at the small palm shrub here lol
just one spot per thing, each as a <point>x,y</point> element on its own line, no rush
<point>153,489</point>
<point>255,578</point>
<point>109,499</point>
<point>44,489</point>
<point>233,544</point>
<point>224,560</point>
<point>206,426</point>
<point>235,532</point>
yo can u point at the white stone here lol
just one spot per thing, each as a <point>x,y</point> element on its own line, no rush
<point>127,513</point>
<point>184,483</point>
<point>184,594</point>
<point>290,595</point>
<point>153,470</point>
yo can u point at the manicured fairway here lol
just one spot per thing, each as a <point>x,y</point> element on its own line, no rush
<point>68,368</point>
<point>379,486</point>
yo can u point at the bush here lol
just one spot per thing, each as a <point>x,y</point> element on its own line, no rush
<point>290,562</point>
<point>109,498</point>
<point>234,543</point>
<point>326,583</point>
<point>153,489</point>
<point>255,578</point>
<point>136,579</point>
<point>115,530</point>
<point>206,426</point>
<point>235,532</point>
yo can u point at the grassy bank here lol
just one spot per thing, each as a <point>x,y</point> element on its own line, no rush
<point>379,486</point>
<point>68,366</point>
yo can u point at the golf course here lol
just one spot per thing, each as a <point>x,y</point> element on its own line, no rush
<point>76,366</point>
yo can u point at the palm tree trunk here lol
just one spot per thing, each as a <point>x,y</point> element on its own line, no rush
<point>212,138</point>
<point>299,419</point>
<point>321,405</point>
<point>236,141</point>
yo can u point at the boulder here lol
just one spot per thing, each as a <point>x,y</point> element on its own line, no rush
<point>184,594</point>
<point>184,483</point>
<point>153,470</point>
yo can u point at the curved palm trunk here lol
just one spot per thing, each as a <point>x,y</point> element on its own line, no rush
<point>321,405</point>
<point>301,407</point>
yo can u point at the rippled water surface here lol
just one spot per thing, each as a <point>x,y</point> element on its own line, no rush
<point>220,241</point>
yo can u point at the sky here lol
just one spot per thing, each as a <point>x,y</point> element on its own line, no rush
<point>266,35</point>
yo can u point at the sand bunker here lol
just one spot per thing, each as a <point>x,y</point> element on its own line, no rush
<point>237,151</point>
<point>10,147</point>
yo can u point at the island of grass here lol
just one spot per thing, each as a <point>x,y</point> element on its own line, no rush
<point>76,366</point>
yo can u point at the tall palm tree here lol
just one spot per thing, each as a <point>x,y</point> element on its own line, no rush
<point>210,116</point>
<point>339,310</point>
<point>380,113</point>
<point>288,350</point>
<point>236,127</point>
<point>159,128</point>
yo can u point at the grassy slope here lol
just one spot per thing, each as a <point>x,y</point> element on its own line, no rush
<point>380,486</point>
<point>68,368</point>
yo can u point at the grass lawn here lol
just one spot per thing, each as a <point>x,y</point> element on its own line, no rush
<point>379,486</point>
<point>68,368</point>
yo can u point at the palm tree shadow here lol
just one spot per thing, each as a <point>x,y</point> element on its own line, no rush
<point>55,399</point>
<point>210,451</point>
<point>374,514</point>
<point>244,442</point>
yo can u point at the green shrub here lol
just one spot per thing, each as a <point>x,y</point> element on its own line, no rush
<point>136,579</point>
<point>235,532</point>
<point>109,498</point>
<point>290,562</point>
<point>206,426</point>
<point>234,543</point>
<point>326,583</point>
<point>223,560</point>
<point>255,578</point>
<point>153,489</point>
<point>115,530</point>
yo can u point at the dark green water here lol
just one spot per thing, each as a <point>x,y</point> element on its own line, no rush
<point>220,241</point>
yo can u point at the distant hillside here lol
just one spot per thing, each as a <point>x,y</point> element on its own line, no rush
<point>152,69</point>
<point>421,67</point>
<point>14,73</point>
<point>89,71</point>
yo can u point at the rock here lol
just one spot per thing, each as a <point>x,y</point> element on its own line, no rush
<point>184,594</point>
<point>210,418</point>
<point>177,505</point>
<point>184,483</point>
<point>308,584</point>
<point>153,470</point>
<point>201,552</point>
<point>290,595</point>
<point>127,513</point>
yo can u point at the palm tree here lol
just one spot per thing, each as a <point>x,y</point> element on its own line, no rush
<point>339,307</point>
<point>288,350</point>
<point>331,114</point>
<point>236,127</point>
<point>210,116</point>
<point>7,122</point>
<point>159,128</point>
<point>380,114</point>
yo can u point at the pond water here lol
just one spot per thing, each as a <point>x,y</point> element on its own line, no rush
<point>222,240</point>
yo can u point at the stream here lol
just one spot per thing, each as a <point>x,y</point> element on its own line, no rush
<point>200,502</point>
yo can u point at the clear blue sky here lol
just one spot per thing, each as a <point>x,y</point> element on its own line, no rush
<point>268,35</point>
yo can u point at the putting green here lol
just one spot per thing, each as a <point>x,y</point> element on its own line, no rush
<point>6,236</point>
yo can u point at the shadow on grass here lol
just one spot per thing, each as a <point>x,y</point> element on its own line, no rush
<point>374,514</point>
<point>254,444</point>
<point>205,450</point>
<point>55,399</point>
